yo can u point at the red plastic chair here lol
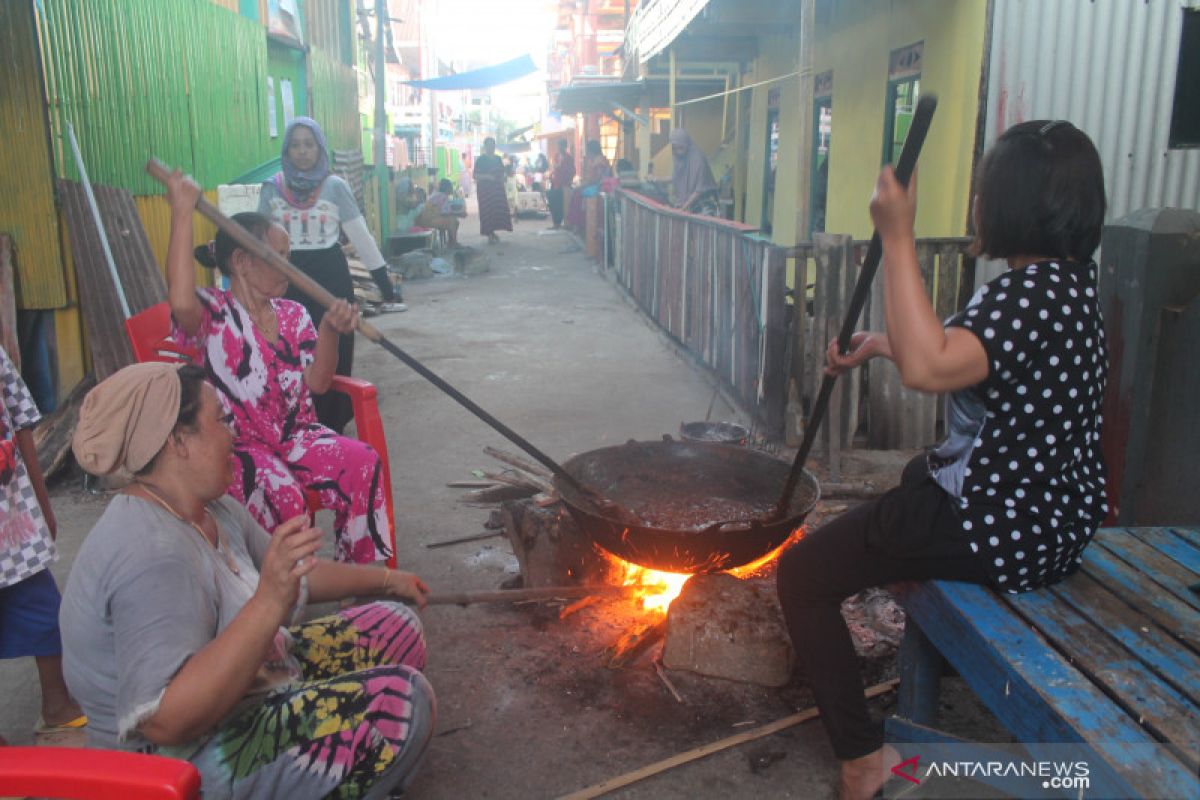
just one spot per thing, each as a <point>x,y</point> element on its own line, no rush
<point>149,334</point>
<point>95,774</point>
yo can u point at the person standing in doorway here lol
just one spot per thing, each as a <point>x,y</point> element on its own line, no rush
<point>692,182</point>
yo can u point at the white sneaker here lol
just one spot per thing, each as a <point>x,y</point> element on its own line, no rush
<point>387,308</point>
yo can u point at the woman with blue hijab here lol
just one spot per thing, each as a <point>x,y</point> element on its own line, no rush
<point>315,207</point>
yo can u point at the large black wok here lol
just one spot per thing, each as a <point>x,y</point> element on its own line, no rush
<point>684,506</point>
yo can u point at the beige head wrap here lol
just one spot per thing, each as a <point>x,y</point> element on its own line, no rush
<point>126,420</point>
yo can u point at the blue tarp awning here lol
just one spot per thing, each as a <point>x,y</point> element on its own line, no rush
<point>484,78</point>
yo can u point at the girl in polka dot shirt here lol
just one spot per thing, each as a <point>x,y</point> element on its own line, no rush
<point>1016,490</point>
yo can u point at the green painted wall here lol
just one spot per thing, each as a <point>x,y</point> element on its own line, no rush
<point>856,45</point>
<point>777,57</point>
<point>335,101</point>
<point>287,63</point>
<point>134,85</point>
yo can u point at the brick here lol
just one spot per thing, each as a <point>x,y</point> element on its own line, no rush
<point>724,627</point>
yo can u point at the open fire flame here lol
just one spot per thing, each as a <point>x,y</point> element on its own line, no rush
<point>658,589</point>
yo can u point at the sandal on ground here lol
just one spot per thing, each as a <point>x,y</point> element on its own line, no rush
<point>79,722</point>
<point>69,734</point>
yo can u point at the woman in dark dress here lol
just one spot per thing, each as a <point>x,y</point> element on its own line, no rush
<point>493,201</point>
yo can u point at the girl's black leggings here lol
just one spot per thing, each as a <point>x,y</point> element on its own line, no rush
<point>912,532</point>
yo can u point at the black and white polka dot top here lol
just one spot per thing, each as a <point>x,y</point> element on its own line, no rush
<point>1032,490</point>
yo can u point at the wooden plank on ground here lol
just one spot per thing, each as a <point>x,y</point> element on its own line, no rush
<point>1166,542</point>
<point>1035,692</point>
<point>98,296</point>
<point>1175,617</point>
<point>1159,651</point>
<point>1169,715</point>
<point>1167,573</point>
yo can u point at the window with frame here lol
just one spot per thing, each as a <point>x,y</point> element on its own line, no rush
<point>1185,110</point>
<point>821,134</point>
<point>903,89</point>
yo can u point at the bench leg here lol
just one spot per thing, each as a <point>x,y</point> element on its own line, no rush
<point>920,676</point>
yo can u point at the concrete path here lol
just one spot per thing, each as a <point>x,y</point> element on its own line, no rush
<point>526,706</point>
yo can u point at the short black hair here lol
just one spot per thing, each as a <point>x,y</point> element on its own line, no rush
<point>445,186</point>
<point>191,379</point>
<point>218,252</point>
<point>1040,192</point>
<point>593,147</point>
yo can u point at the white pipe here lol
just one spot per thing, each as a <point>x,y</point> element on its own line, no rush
<point>91,198</point>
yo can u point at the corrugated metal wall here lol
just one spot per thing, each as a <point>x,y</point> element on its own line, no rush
<point>26,185</point>
<point>1108,66</point>
<point>179,79</point>
<point>335,101</point>
<point>325,21</point>
<point>156,218</point>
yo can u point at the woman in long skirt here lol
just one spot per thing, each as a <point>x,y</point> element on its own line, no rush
<point>493,202</point>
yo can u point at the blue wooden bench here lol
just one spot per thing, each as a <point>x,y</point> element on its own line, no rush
<point>1108,659</point>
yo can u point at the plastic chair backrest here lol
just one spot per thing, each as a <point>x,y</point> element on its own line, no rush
<point>149,334</point>
<point>95,774</point>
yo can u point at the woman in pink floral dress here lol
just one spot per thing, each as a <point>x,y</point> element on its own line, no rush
<point>265,358</point>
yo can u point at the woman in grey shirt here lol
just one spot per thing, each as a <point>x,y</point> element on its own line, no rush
<point>175,616</point>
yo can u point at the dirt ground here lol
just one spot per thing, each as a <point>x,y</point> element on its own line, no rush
<point>526,704</point>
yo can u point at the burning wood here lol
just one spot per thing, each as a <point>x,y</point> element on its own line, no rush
<point>662,676</point>
<point>635,641</point>
<point>578,605</point>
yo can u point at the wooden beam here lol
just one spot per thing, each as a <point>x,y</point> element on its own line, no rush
<point>804,137</point>
<point>671,92</point>
<point>716,48</point>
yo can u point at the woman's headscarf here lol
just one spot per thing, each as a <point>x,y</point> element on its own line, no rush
<point>692,172</point>
<point>127,418</point>
<point>304,181</point>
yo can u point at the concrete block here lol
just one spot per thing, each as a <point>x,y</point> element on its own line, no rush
<point>724,627</point>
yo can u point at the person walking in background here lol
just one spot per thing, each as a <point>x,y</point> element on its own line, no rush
<point>595,169</point>
<point>561,176</point>
<point>692,182</point>
<point>493,200</point>
<point>315,207</point>
<point>29,599</point>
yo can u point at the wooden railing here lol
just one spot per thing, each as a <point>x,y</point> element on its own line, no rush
<point>895,417</point>
<point>724,296</point>
<point>715,290</point>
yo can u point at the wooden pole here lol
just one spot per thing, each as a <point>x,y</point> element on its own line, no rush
<point>381,170</point>
<point>671,92</point>
<point>612,784</point>
<point>804,136</point>
<point>525,595</point>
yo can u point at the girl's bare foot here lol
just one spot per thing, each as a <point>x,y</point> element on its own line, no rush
<point>862,777</point>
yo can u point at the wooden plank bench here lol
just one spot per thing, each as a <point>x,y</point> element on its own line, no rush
<point>1109,658</point>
